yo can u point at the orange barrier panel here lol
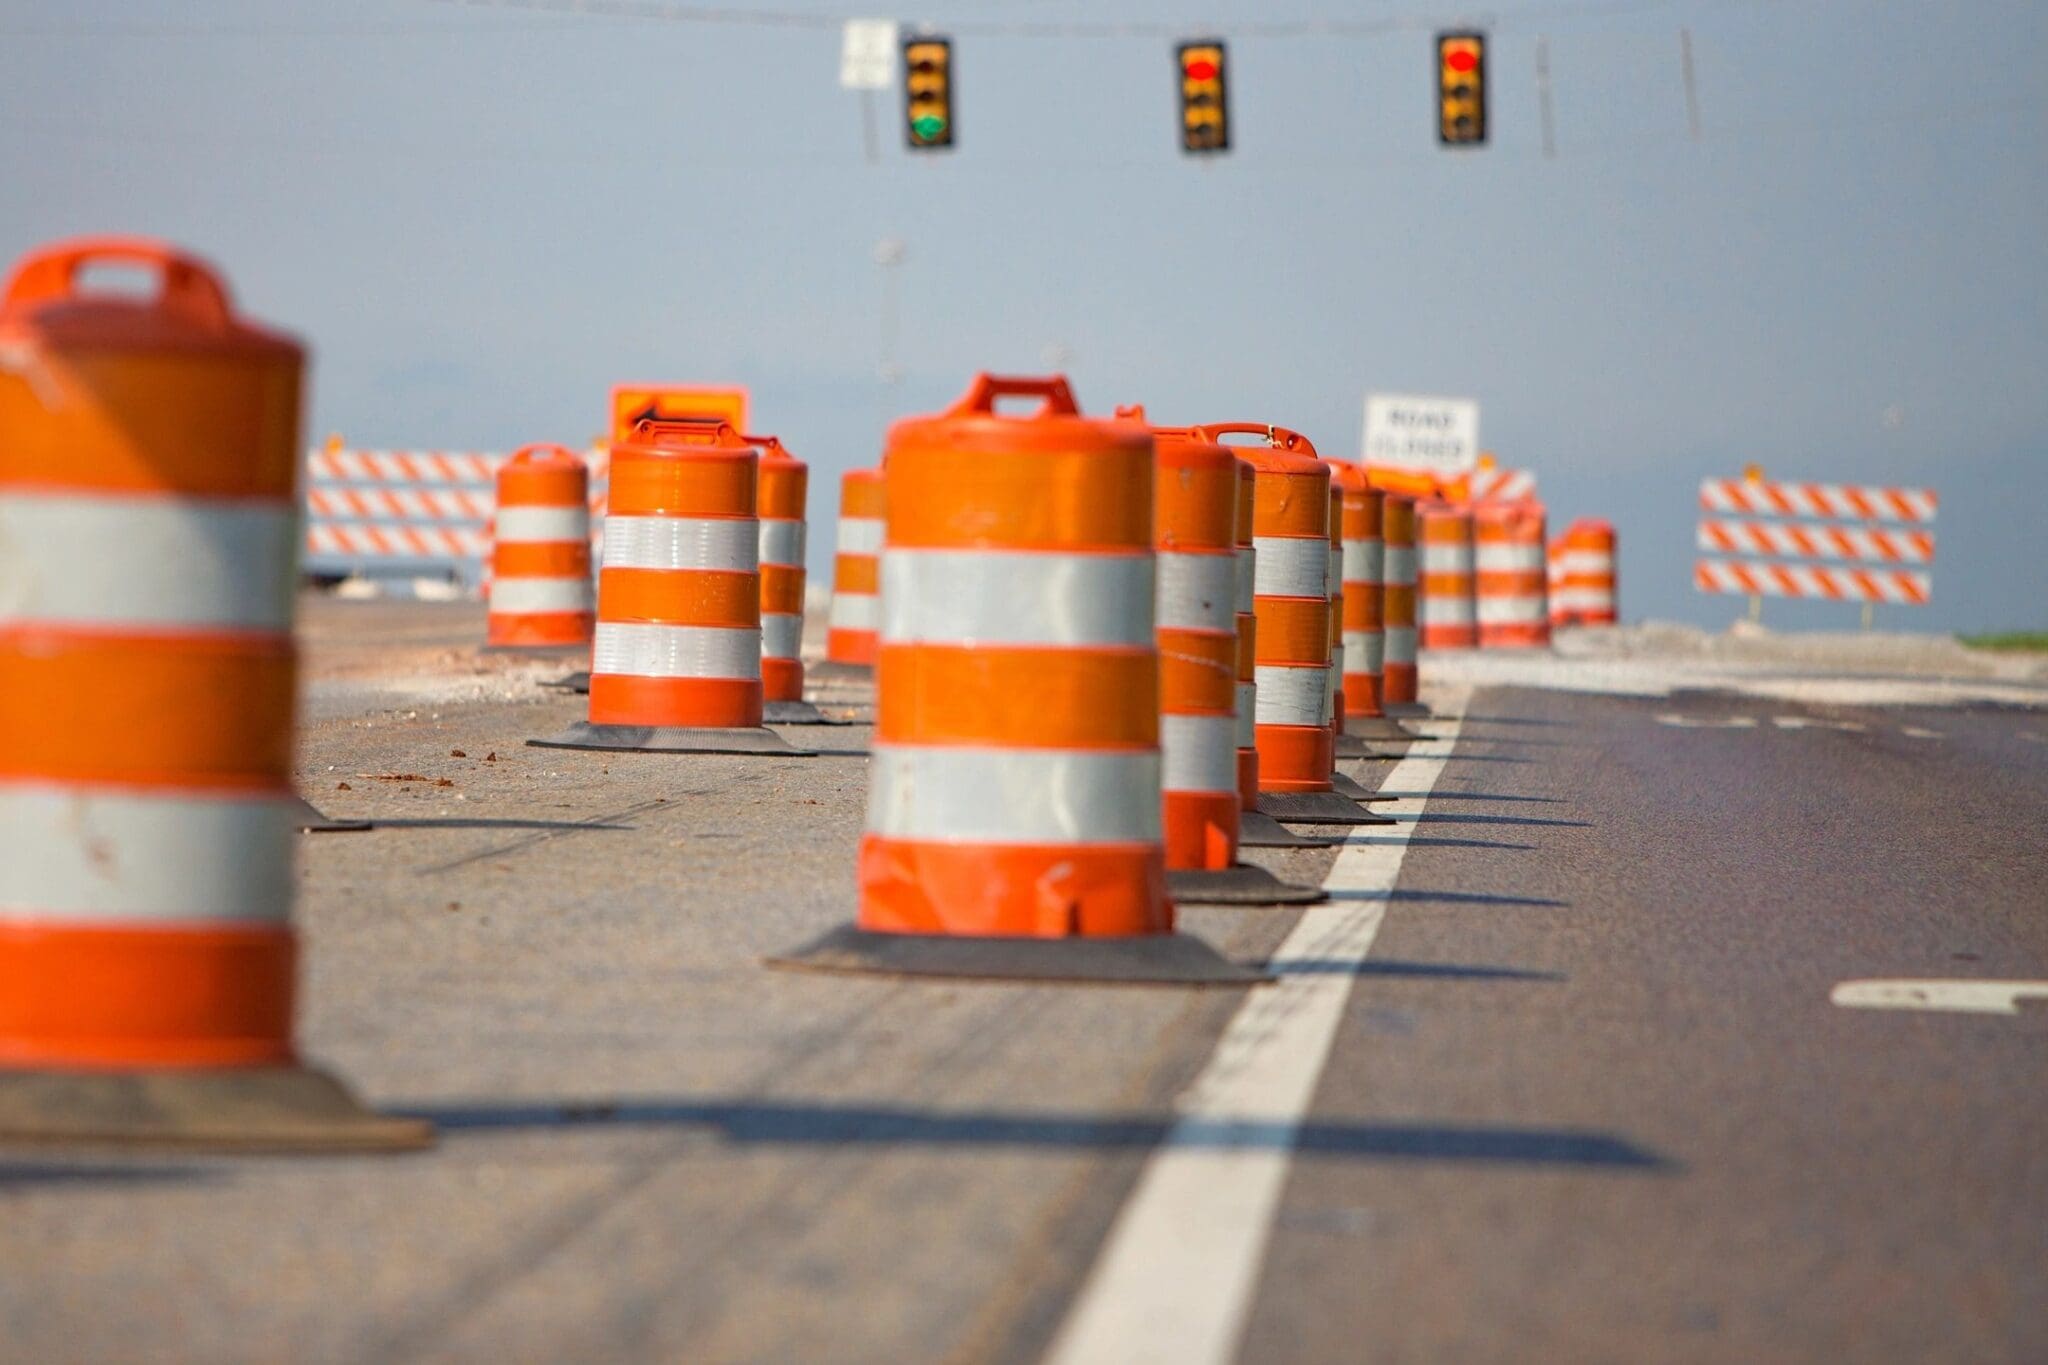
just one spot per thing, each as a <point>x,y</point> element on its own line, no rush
<point>1512,603</point>
<point>1014,810</point>
<point>149,449</point>
<point>676,662</point>
<point>856,569</point>
<point>1445,607</point>
<point>1582,575</point>
<point>540,594</point>
<point>1399,680</point>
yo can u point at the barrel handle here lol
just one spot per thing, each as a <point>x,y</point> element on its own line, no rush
<point>525,454</point>
<point>770,444</point>
<point>701,431</point>
<point>1279,437</point>
<point>190,288</point>
<point>982,394</point>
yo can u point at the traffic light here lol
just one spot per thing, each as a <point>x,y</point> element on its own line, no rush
<point>1204,102</point>
<point>928,92</point>
<point>1461,89</point>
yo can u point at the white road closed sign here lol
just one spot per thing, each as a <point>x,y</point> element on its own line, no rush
<point>1409,431</point>
<point>868,54</point>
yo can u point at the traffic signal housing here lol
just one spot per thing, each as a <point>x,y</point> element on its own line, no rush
<point>928,93</point>
<point>1461,89</point>
<point>1204,97</point>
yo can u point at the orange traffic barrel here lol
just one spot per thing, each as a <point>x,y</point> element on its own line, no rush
<point>1194,529</point>
<point>1399,677</point>
<point>1291,604</point>
<point>149,450</point>
<point>1582,575</point>
<point>1345,745</point>
<point>675,665</point>
<point>856,570</point>
<point>783,490</point>
<point>1445,610</point>
<point>1364,575</point>
<point>540,595</point>
<point>1512,603</point>
<point>1014,807</point>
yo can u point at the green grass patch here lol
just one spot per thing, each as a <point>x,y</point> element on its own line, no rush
<point>2036,640</point>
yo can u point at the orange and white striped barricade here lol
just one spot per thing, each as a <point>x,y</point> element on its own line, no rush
<point>675,666</point>
<point>1255,829</point>
<point>1014,811</point>
<point>1194,530</point>
<point>1446,608</point>
<point>857,571</point>
<point>540,594</point>
<point>1512,602</point>
<point>1364,574</point>
<point>1582,578</point>
<point>148,471</point>
<point>784,489</point>
<point>1400,674</point>
<point>1291,603</point>
<point>1873,563</point>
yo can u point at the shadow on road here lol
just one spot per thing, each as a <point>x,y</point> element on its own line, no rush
<point>17,1174</point>
<point>1434,971</point>
<point>1446,898</point>
<point>481,822</point>
<point>817,1123</point>
<point>1467,796</point>
<point>1429,817</point>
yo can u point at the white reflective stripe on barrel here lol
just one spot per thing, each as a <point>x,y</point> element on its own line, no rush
<point>1291,568</point>
<point>1333,581</point>
<point>1198,753</point>
<point>1495,557</point>
<point>203,563</point>
<point>647,650</point>
<point>1512,611</point>
<point>1246,719</point>
<point>79,854</point>
<point>1197,591</point>
<point>1293,696</point>
<point>1016,597</point>
<point>1364,560</point>
<point>517,595</point>
<point>1400,565</point>
<point>1445,609</point>
<point>1247,579</point>
<point>539,525</point>
<point>855,611</point>
<point>1577,598</point>
<point>981,795</point>
<point>1441,558</point>
<point>860,535</point>
<point>1574,562</point>
<point>727,543</point>
<point>1364,651</point>
<point>1400,645</point>
<point>781,635</point>
<point>782,542</point>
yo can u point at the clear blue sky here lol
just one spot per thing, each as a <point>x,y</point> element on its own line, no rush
<point>483,217</point>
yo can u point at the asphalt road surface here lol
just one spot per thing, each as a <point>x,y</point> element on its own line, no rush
<point>1556,1074</point>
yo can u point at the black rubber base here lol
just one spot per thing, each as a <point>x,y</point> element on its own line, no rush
<point>795,713</point>
<point>308,819</point>
<point>1317,808</point>
<point>1255,829</point>
<point>1384,729</point>
<point>277,1109</point>
<point>1350,746</point>
<point>1406,710</point>
<point>570,682</point>
<point>1352,790</point>
<point>563,652</point>
<point>1244,884</point>
<point>1146,960</point>
<point>674,739</point>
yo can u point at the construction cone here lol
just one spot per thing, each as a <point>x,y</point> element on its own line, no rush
<point>1400,680</point>
<point>1291,600</point>
<point>540,596</point>
<point>676,662</point>
<point>785,484</point>
<point>856,575</point>
<point>1014,824</point>
<point>1194,531</point>
<point>148,467</point>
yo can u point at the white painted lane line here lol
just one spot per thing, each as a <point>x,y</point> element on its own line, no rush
<point>1963,997</point>
<point>1915,732</point>
<point>1706,722</point>
<point>1815,723</point>
<point>1175,1280</point>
